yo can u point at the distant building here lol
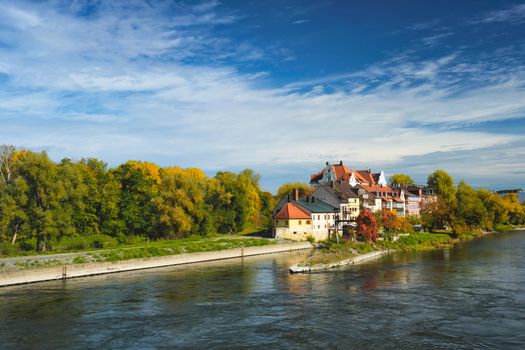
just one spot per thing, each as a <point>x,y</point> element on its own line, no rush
<point>371,188</point>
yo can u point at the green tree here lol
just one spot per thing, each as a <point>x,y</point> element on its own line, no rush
<point>44,199</point>
<point>101,213</point>
<point>136,208</point>
<point>401,179</point>
<point>470,210</point>
<point>289,187</point>
<point>443,185</point>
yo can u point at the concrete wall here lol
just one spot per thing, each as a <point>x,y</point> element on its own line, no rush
<point>80,270</point>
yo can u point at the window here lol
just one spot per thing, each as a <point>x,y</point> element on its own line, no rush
<point>286,222</point>
<point>308,222</point>
<point>325,216</point>
<point>300,222</point>
<point>318,226</point>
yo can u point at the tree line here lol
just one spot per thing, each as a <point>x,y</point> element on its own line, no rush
<point>44,203</point>
<point>467,210</point>
<point>462,209</point>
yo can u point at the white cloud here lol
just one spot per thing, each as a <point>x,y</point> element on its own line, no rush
<point>117,87</point>
<point>513,14</point>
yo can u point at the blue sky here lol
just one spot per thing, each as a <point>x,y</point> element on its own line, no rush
<point>277,86</point>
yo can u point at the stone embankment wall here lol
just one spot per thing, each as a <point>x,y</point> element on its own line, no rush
<point>90,269</point>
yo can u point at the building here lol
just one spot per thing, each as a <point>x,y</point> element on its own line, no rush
<point>371,188</point>
<point>292,222</point>
<point>298,219</point>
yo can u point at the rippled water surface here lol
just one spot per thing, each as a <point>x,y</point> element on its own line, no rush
<point>472,296</point>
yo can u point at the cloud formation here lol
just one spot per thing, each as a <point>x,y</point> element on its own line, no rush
<point>139,80</point>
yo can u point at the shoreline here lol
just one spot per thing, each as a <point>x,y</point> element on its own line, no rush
<point>68,271</point>
<point>351,261</point>
<point>298,268</point>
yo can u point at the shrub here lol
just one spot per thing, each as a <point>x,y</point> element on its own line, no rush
<point>86,242</point>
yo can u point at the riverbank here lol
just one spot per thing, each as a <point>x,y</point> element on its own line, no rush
<point>67,271</point>
<point>298,268</point>
<point>332,255</point>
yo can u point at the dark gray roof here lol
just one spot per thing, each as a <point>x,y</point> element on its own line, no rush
<point>317,206</point>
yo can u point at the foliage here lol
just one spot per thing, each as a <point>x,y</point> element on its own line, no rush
<point>289,187</point>
<point>391,222</point>
<point>46,205</point>
<point>401,179</point>
<point>443,184</point>
<point>435,215</point>
<point>367,225</point>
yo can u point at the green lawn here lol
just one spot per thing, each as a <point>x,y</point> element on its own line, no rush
<point>143,250</point>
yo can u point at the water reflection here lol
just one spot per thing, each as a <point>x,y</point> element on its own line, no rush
<point>472,296</point>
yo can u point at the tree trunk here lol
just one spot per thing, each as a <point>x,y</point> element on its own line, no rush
<point>14,235</point>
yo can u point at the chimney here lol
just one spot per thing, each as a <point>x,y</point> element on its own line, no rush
<point>288,199</point>
<point>326,163</point>
<point>296,194</point>
<point>340,162</point>
<point>307,199</point>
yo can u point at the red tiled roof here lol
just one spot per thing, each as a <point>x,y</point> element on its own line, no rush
<point>317,177</point>
<point>340,170</point>
<point>291,211</point>
<point>366,176</point>
<point>378,188</point>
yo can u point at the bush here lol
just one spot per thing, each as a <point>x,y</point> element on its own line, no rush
<point>86,242</point>
<point>6,248</point>
<point>502,228</point>
<point>27,244</point>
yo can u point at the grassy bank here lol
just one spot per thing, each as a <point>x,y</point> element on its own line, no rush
<point>144,250</point>
<point>331,252</point>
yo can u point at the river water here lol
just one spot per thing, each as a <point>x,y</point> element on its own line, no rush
<point>471,296</point>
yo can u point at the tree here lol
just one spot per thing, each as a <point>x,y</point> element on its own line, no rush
<point>435,215</point>
<point>138,190</point>
<point>401,179</point>
<point>45,193</point>
<point>289,187</point>
<point>443,184</point>
<point>515,210</point>
<point>470,211</point>
<point>367,225</point>
<point>6,163</point>
<point>497,211</point>
<point>391,222</point>
<point>179,203</point>
<point>101,213</point>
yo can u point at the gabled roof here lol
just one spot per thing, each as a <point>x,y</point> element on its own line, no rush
<point>317,206</point>
<point>317,177</point>
<point>340,170</point>
<point>366,176</point>
<point>292,211</point>
<point>345,190</point>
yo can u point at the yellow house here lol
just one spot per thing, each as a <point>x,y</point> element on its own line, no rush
<point>292,222</point>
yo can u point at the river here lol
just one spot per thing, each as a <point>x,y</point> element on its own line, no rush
<point>471,296</point>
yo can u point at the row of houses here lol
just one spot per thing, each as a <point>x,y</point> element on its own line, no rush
<point>337,196</point>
